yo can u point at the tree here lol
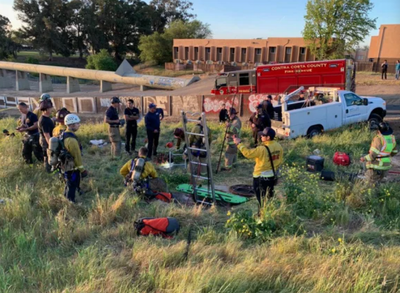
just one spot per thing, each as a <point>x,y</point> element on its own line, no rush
<point>101,61</point>
<point>335,26</point>
<point>46,24</point>
<point>7,45</point>
<point>158,47</point>
<point>164,12</point>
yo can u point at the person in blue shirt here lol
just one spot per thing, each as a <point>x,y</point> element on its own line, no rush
<point>152,121</point>
<point>398,69</point>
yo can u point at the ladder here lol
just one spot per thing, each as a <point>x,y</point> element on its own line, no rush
<point>192,159</point>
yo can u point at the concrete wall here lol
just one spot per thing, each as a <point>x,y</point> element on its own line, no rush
<point>172,105</point>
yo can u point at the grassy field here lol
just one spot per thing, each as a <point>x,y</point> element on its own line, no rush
<point>315,236</point>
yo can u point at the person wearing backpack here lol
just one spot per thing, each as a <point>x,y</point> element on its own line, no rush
<point>142,165</point>
<point>268,158</point>
<point>61,127</point>
<point>72,166</point>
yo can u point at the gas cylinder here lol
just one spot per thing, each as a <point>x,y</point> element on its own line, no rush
<point>139,166</point>
<point>54,150</point>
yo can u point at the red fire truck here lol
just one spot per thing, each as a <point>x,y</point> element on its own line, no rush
<point>285,77</point>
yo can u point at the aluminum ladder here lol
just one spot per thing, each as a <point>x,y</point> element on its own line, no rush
<point>194,176</point>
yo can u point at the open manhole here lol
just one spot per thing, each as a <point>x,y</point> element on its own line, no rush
<point>242,190</point>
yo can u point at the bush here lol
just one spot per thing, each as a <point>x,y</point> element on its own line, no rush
<point>32,60</point>
<point>101,61</point>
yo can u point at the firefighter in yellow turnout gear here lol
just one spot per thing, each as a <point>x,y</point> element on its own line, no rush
<point>234,127</point>
<point>378,160</point>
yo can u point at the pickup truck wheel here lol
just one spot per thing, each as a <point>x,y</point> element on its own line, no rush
<point>374,121</point>
<point>314,131</point>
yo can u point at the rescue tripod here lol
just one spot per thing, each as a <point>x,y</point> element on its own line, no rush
<point>193,164</point>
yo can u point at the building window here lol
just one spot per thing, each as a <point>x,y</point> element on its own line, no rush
<point>219,54</point>
<point>208,50</point>
<point>288,51</point>
<point>186,53</point>
<point>232,55</point>
<point>258,51</point>
<point>176,53</point>
<point>208,53</point>
<point>302,51</point>
<point>196,53</point>
<point>272,50</point>
<point>244,57</point>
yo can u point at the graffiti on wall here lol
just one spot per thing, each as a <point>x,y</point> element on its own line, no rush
<point>213,104</point>
<point>161,102</point>
<point>255,100</point>
<point>186,103</point>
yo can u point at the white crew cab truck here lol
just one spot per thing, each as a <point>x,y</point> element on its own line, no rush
<point>330,108</point>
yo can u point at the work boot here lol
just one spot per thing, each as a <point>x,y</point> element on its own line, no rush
<point>226,169</point>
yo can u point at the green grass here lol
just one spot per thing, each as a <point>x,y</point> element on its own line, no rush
<point>315,237</point>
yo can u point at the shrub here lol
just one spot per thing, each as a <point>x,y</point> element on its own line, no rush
<point>32,60</point>
<point>101,61</point>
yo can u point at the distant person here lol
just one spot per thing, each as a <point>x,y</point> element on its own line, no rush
<point>113,130</point>
<point>270,108</point>
<point>384,69</point>
<point>301,96</point>
<point>397,69</point>
<point>131,114</point>
<point>223,114</point>
<point>179,135</point>
<point>234,126</point>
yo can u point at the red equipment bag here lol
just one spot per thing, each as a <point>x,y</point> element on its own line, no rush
<point>164,227</point>
<point>163,196</point>
<point>341,159</point>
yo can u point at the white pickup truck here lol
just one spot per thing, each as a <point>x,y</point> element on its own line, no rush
<point>339,108</point>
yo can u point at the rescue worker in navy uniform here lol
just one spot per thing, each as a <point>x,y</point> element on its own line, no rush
<point>263,174</point>
<point>152,121</point>
<point>223,114</point>
<point>75,170</point>
<point>268,109</point>
<point>46,127</point>
<point>113,130</point>
<point>131,115</point>
<point>259,120</point>
<point>378,160</point>
<point>29,124</point>
<point>233,128</point>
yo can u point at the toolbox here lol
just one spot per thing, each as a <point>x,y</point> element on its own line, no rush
<point>315,163</point>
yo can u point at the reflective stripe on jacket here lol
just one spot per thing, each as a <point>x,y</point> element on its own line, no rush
<point>382,148</point>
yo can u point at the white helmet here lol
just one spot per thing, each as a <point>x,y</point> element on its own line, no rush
<point>71,119</point>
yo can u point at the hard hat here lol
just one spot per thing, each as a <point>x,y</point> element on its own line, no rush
<point>384,128</point>
<point>169,145</point>
<point>61,114</point>
<point>71,119</point>
<point>232,111</point>
<point>115,100</point>
<point>44,97</point>
<point>268,132</point>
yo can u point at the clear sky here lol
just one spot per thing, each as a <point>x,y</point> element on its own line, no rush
<point>247,19</point>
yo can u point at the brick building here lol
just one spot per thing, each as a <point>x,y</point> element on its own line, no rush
<point>242,51</point>
<point>385,46</point>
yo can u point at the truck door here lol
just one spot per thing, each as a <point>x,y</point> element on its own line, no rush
<point>233,83</point>
<point>355,111</point>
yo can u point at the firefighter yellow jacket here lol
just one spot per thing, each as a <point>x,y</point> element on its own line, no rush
<point>382,148</point>
<point>73,147</point>
<point>148,170</point>
<point>58,130</point>
<point>263,165</point>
